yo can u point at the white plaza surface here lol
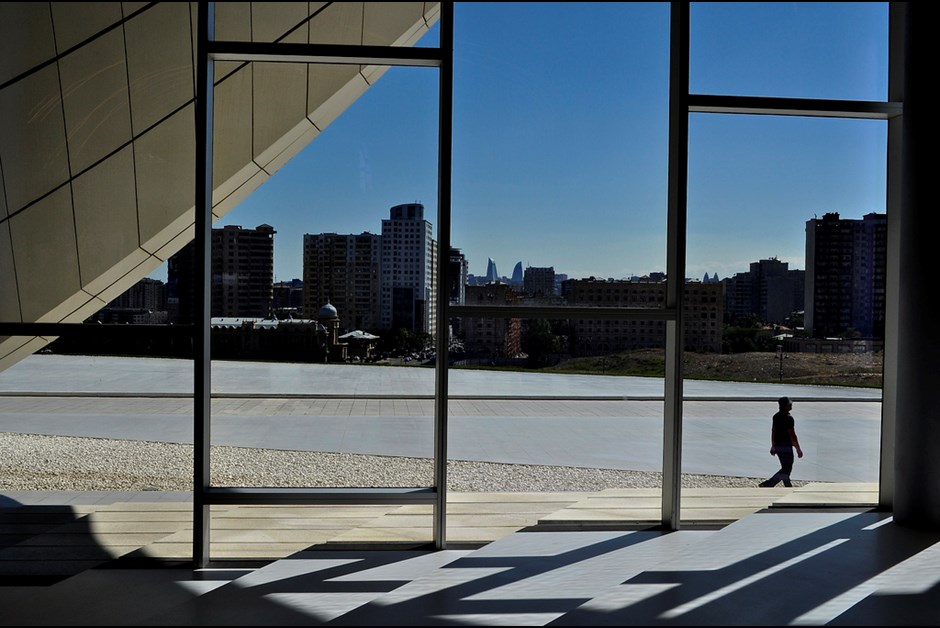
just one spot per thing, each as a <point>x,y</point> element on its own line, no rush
<point>512,417</point>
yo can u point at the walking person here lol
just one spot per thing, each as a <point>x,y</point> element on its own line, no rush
<point>783,440</point>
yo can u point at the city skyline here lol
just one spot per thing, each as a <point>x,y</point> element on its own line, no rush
<point>560,160</point>
<point>710,276</point>
<point>387,282</point>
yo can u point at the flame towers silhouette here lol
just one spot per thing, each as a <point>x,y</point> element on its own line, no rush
<point>517,274</point>
<point>491,273</point>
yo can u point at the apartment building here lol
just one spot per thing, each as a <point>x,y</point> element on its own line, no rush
<point>242,274</point>
<point>539,281</point>
<point>345,271</point>
<point>491,337</point>
<point>703,305</point>
<point>769,291</point>
<point>846,266</point>
<point>409,270</point>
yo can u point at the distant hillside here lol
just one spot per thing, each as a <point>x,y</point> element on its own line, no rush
<point>832,369</point>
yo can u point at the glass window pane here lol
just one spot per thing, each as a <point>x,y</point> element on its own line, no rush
<point>89,426</point>
<point>836,50</point>
<point>574,431</point>
<point>560,137</point>
<point>789,216</point>
<point>352,279</point>
<point>318,425</point>
<point>754,182</point>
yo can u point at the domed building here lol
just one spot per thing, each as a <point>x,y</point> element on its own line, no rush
<point>328,311</point>
<point>328,317</point>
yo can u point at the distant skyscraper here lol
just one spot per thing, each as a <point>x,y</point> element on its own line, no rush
<point>409,270</point>
<point>769,291</point>
<point>491,273</point>
<point>288,298</point>
<point>458,276</point>
<point>143,303</point>
<point>242,274</point>
<point>845,275</point>
<point>539,281</point>
<point>146,294</point>
<point>243,270</point>
<point>518,277</point>
<point>344,271</point>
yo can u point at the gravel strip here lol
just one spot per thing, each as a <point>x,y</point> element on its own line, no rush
<point>64,463</point>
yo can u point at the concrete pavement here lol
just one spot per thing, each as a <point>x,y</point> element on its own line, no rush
<point>530,418</point>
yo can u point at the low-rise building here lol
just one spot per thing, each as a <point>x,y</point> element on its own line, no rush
<point>703,306</point>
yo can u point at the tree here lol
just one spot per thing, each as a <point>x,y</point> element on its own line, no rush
<point>539,342</point>
<point>401,340</point>
<point>747,339</point>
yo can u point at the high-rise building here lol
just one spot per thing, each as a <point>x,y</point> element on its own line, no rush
<point>143,303</point>
<point>242,274</point>
<point>539,281</point>
<point>409,270</point>
<point>343,270</point>
<point>288,298</point>
<point>769,291</point>
<point>491,273</point>
<point>146,294</point>
<point>458,276</point>
<point>243,270</point>
<point>845,275</point>
<point>518,275</point>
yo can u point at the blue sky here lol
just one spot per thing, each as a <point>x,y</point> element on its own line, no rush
<point>560,139</point>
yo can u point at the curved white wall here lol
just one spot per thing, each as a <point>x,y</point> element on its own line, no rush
<point>97,134</point>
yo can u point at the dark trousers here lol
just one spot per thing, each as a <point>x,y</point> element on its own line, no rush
<point>785,456</point>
